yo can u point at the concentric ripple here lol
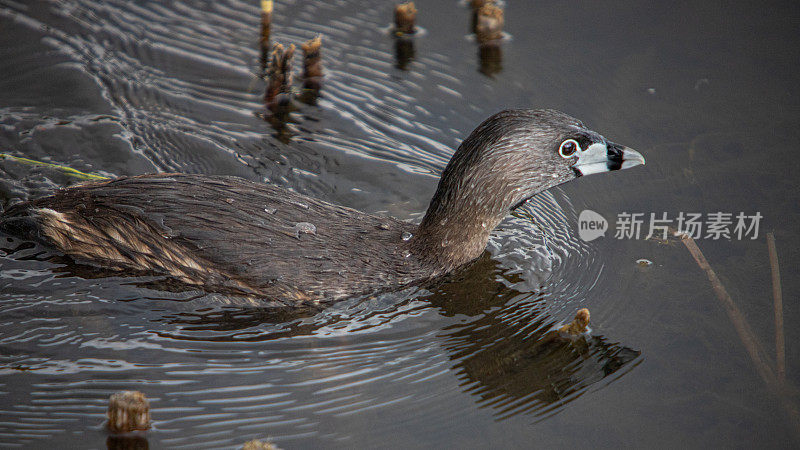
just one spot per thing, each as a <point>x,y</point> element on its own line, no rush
<point>172,86</point>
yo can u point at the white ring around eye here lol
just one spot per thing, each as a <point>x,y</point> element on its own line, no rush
<point>565,153</point>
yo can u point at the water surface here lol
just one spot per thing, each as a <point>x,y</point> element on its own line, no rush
<point>707,92</point>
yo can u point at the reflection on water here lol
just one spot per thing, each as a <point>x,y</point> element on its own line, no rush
<point>123,88</point>
<point>404,51</point>
<point>509,357</point>
<point>490,58</point>
<point>344,359</point>
<point>534,375</point>
<point>226,366</point>
<point>127,443</point>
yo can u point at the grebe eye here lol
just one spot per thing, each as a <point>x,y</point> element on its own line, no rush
<point>568,148</point>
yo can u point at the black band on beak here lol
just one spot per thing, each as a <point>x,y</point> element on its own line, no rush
<point>614,156</point>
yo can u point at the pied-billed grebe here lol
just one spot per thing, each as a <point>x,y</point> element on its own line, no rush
<point>225,233</point>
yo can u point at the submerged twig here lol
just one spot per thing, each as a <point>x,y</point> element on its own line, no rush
<point>777,298</point>
<point>746,335</point>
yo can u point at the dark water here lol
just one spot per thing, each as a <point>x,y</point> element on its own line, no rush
<point>707,91</point>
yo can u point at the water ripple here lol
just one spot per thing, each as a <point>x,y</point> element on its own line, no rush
<point>179,83</point>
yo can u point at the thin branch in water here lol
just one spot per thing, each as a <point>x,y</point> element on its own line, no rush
<point>781,391</point>
<point>777,298</point>
<point>746,334</point>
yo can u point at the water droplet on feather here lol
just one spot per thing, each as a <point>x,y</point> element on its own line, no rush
<point>304,228</point>
<point>406,235</point>
<point>300,204</point>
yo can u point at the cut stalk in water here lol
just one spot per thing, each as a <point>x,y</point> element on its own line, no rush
<point>488,27</point>
<point>312,70</point>
<point>128,411</point>
<point>266,30</point>
<point>279,76</point>
<point>405,17</point>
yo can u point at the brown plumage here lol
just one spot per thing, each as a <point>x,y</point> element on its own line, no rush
<point>232,235</point>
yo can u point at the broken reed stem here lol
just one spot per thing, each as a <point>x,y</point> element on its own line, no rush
<point>266,22</point>
<point>578,324</point>
<point>312,71</point>
<point>777,298</point>
<point>128,411</point>
<point>489,23</point>
<point>312,62</point>
<point>263,41</point>
<point>746,335</point>
<point>405,16</point>
<point>256,444</point>
<point>279,73</point>
<point>570,331</point>
<point>476,5</point>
